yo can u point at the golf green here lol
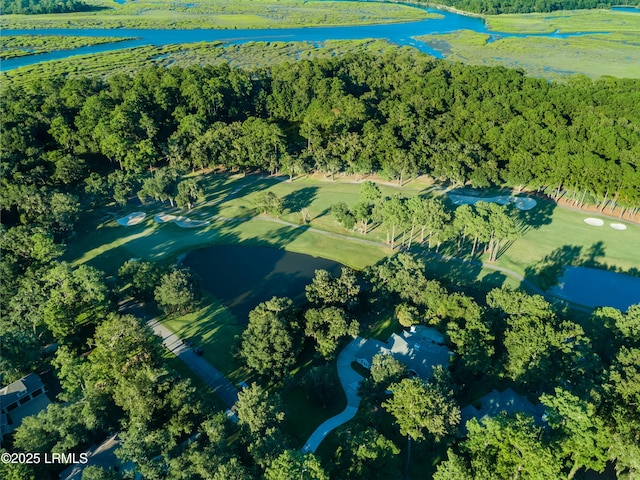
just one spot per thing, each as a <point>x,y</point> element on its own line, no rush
<point>242,276</point>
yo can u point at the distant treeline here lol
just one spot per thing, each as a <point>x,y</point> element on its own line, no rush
<point>397,115</point>
<point>31,7</point>
<point>495,7</point>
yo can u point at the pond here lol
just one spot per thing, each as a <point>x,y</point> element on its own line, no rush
<point>399,33</point>
<point>596,288</point>
<point>242,277</point>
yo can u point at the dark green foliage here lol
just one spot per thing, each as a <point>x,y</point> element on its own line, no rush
<point>31,7</point>
<point>144,277</point>
<point>467,125</point>
<point>294,464</point>
<point>321,384</point>
<point>494,7</point>
<point>367,454</point>
<point>176,292</point>
<point>268,202</point>
<point>327,290</point>
<point>270,342</point>
<point>328,326</point>
<point>424,409</point>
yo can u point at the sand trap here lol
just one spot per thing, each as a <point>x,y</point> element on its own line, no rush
<point>163,218</point>
<point>132,219</point>
<point>596,222</point>
<point>191,223</point>
<point>524,203</point>
<point>521,203</point>
<point>618,226</point>
<point>183,222</point>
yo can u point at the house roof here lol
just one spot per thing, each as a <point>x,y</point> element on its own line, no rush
<point>507,401</point>
<point>18,389</point>
<point>410,348</point>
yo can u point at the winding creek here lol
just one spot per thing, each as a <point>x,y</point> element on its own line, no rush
<point>399,33</point>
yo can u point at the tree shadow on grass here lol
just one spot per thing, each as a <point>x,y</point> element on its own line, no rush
<point>548,271</point>
<point>538,216</point>
<point>299,199</point>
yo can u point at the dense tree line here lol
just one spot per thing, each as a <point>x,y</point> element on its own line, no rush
<point>495,7</point>
<point>32,7</point>
<point>396,116</point>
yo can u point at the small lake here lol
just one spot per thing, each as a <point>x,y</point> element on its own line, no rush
<point>597,288</point>
<point>398,33</point>
<point>242,277</point>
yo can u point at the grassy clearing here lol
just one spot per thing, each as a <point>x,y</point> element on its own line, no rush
<point>223,14</point>
<point>566,22</point>
<point>303,414</point>
<point>249,55</point>
<point>593,55</point>
<point>12,46</point>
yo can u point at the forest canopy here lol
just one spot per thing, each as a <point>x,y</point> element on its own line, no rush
<point>32,7</point>
<point>395,115</point>
<point>495,7</point>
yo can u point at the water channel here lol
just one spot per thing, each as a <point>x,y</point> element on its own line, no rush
<point>398,33</point>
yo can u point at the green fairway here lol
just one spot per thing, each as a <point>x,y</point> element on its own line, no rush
<point>225,14</point>
<point>593,55</point>
<point>106,245</point>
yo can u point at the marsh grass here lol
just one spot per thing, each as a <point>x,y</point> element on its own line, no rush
<point>12,46</point>
<point>225,14</point>
<point>250,55</point>
<point>617,54</point>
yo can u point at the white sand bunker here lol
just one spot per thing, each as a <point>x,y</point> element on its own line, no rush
<point>132,219</point>
<point>618,226</point>
<point>183,222</point>
<point>596,222</point>
<point>521,203</point>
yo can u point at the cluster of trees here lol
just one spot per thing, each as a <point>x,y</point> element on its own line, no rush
<point>396,115</point>
<point>32,7</point>
<point>277,329</point>
<point>484,223</point>
<point>495,7</point>
<point>582,374</point>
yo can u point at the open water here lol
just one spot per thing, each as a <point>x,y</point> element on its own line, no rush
<point>398,33</point>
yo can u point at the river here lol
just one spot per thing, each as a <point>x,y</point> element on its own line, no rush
<point>399,33</point>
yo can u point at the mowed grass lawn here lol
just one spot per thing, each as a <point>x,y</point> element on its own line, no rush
<point>105,244</point>
<point>616,249</point>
